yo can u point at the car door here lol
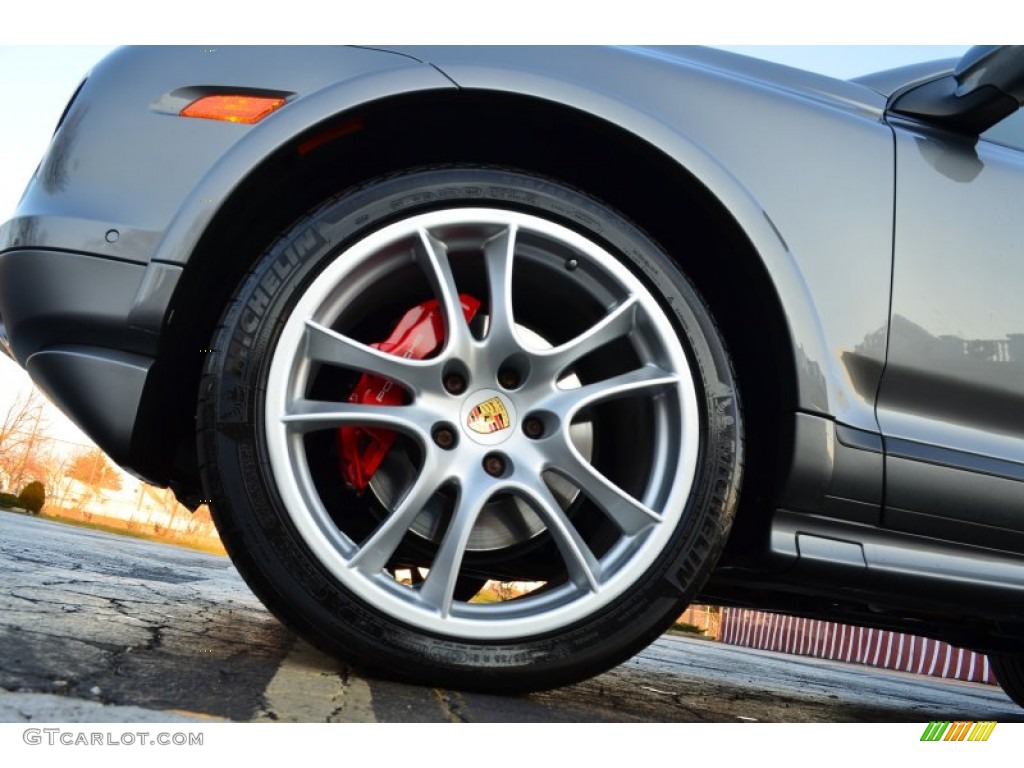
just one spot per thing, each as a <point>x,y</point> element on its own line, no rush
<point>951,401</point>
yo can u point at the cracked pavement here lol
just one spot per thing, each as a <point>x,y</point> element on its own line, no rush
<point>101,628</point>
<point>116,620</point>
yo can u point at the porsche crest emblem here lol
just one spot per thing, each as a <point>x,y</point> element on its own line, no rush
<point>488,417</point>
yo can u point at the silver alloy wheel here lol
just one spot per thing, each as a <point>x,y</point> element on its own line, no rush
<point>503,522</point>
<point>492,454</point>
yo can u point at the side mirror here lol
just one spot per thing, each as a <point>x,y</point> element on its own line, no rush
<point>986,86</point>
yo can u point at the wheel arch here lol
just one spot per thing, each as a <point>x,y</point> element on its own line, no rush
<point>704,219</point>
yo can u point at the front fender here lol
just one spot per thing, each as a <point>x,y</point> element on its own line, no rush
<point>763,140</point>
<point>125,179</point>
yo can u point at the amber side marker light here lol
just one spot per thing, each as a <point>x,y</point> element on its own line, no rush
<point>232,108</point>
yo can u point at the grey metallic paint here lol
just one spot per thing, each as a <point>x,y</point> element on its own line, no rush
<point>956,358</point>
<point>157,178</point>
<point>836,213</point>
<point>198,163</point>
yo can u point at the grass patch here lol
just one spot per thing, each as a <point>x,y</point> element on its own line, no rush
<point>211,548</point>
<point>485,596</point>
<point>688,629</point>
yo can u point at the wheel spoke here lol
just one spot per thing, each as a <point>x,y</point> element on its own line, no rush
<point>629,514</point>
<point>328,346</point>
<point>438,590</point>
<point>433,257</point>
<point>375,553</point>
<point>568,402</point>
<point>312,415</point>
<point>618,323</point>
<point>499,253</point>
<point>583,568</point>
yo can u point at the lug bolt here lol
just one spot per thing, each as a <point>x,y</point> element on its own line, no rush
<point>533,427</point>
<point>508,378</point>
<point>454,383</point>
<point>494,465</point>
<point>444,437</point>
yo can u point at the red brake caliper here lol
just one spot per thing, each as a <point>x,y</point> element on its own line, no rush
<point>419,333</point>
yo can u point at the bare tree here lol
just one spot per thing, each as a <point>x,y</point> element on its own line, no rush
<point>24,439</point>
<point>200,523</point>
<point>57,482</point>
<point>506,590</point>
<point>17,422</point>
<point>94,469</point>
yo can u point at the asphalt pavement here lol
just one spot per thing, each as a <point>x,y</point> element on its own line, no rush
<point>96,627</point>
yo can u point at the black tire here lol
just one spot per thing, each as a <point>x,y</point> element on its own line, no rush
<point>653,410</point>
<point>1009,671</point>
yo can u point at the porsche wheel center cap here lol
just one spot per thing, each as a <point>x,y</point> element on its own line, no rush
<point>488,417</point>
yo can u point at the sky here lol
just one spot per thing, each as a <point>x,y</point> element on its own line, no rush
<point>37,80</point>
